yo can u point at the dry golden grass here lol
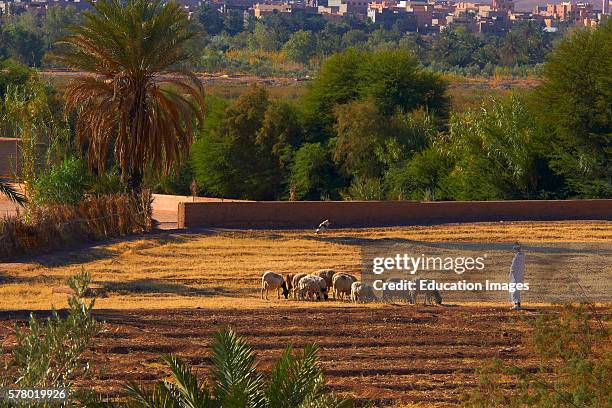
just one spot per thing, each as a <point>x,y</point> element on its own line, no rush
<point>223,268</point>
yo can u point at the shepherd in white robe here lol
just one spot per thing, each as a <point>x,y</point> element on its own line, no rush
<point>517,272</point>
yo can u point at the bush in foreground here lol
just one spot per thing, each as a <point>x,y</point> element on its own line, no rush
<point>50,354</point>
<point>575,367</point>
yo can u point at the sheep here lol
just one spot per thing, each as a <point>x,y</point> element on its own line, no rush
<point>341,284</point>
<point>294,282</point>
<point>313,286</point>
<point>430,295</point>
<point>326,274</point>
<point>391,295</point>
<point>361,292</point>
<point>289,282</point>
<point>271,280</point>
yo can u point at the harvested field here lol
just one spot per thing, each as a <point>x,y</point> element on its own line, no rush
<point>224,268</point>
<point>169,292</point>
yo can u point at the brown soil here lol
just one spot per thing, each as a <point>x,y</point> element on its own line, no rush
<point>388,355</point>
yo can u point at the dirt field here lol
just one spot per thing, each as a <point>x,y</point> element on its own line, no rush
<point>170,292</point>
<point>391,356</point>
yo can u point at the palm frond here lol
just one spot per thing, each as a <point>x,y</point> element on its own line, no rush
<point>238,383</point>
<point>185,384</point>
<point>159,397</point>
<point>13,195</point>
<point>295,378</point>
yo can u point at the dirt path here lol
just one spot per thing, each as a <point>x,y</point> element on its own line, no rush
<point>389,355</point>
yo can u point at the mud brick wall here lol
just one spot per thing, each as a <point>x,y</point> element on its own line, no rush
<point>308,214</point>
<point>8,159</point>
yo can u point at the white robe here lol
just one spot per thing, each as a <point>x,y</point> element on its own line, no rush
<point>517,272</point>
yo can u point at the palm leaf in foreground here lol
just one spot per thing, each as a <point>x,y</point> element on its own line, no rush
<point>238,383</point>
<point>13,195</point>
<point>296,381</point>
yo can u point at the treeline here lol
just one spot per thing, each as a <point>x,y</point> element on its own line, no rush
<point>371,125</point>
<point>266,45</point>
<point>297,43</point>
<point>377,126</point>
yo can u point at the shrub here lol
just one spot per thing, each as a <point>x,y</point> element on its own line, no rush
<point>94,218</point>
<point>50,354</point>
<point>65,183</point>
<point>575,367</point>
<point>365,189</point>
<point>296,381</point>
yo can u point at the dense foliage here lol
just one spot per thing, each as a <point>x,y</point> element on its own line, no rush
<point>376,126</point>
<point>575,101</point>
<point>372,124</point>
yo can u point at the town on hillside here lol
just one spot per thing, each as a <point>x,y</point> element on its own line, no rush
<point>423,16</point>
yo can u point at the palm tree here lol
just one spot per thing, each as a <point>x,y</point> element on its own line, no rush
<point>135,98</point>
<point>296,381</point>
<point>14,195</point>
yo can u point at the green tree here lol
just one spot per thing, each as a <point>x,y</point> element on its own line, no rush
<point>313,174</point>
<point>419,178</point>
<point>27,109</point>
<point>26,39</point>
<point>64,183</point>
<point>360,130</point>
<point>455,46</point>
<point>494,153</point>
<point>574,102</point>
<point>336,83</point>
<point>394,81</point>
<point>248,155</point>
<point>138,102</point>
<point>12,73</point>
<point>391,79</point>
<point>300,47</point>
<point>57,21</point>
<point>233,22</point>
<point>264,39</point>
<point>367,142</point>
<point>210,19</point>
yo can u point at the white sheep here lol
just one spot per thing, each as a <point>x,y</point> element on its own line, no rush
<point>270,281</point>
<point>362,292</point>
<point>311,285</point>
<point>341,285</point>
<point>430,295</point>
<point>295,280</point>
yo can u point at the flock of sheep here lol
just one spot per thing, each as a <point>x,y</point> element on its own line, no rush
<point>319,284</point>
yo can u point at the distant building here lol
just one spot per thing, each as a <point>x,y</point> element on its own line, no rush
<point>388,17</point>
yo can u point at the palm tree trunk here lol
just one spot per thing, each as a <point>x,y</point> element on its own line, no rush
<point>134,181</point>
